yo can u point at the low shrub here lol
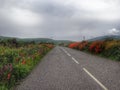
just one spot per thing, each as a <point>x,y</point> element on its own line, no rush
<point>96,47</point>
<point>16,63</point>
<point>83,45</point>
<point>74,45</point>
<point>113,52</point>
<point>107,48</point>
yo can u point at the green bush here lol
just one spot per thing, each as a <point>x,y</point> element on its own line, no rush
<point>16,63</point>
<point>113,53</point>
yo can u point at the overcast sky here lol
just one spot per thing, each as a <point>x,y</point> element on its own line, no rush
<point>59,19</point>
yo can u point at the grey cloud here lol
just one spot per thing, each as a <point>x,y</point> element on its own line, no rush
<point>8,3</point>
<point>59,21</point>
<point>51,9</point>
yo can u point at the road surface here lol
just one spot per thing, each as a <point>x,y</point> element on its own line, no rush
<point>68,69</point>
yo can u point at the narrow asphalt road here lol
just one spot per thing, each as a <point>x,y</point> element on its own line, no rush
<point>68,69</point>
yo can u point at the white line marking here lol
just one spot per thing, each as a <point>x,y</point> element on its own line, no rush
<point>68,54</point>
<point>65,51</point>
<point>95,79</point>
<point>75,60</point>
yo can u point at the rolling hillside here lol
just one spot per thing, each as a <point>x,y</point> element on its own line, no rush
<point>38,40</point>
<point>113,37</point>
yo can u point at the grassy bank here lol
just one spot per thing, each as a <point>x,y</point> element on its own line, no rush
<point>17,62</point>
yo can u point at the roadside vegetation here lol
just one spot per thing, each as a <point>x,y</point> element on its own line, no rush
<point>107,48</point>
<point>17,59</point>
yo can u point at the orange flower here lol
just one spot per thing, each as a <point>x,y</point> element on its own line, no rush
<point>23,62</point>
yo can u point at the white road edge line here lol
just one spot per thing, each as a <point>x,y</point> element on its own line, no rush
<point>75,60</point>
<point>95,79</point>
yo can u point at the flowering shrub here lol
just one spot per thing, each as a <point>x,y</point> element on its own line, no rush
<point>107,48</point>
<point>97,47</point>
<point>5,71</point>
<point>83,45</point>
<point>113,52</point>
<point>79,45</point>
<point>16,63</point>
<point>48,45</point>
<point>110,44</point>
<point>74,45</point>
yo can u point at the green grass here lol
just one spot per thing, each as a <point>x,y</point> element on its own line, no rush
<point>17,63</point>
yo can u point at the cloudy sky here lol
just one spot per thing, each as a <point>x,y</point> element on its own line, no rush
<point>59,19</point>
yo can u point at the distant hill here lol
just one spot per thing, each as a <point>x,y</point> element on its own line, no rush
<point>38,40</point>
<point>2,37</point>
<point>62,41</point>
<point>107,37</point>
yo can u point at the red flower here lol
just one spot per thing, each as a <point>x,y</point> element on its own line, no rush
<point>74,45</point>
<point>23,62</point>
<point>96,47</point>
<point>82,45</point>
<point>8,76</point>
